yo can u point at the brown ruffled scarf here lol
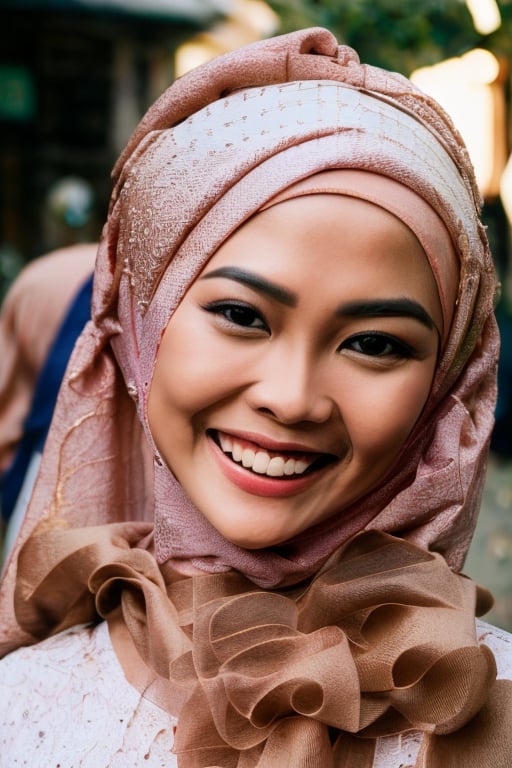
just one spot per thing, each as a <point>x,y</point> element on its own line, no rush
<point>381,642</point>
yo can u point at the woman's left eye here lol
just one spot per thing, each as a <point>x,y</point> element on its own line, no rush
<point>377,345</point>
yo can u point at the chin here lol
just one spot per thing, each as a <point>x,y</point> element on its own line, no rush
<point>258,541</point>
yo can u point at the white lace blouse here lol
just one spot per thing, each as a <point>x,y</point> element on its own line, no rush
<point>65,703</point>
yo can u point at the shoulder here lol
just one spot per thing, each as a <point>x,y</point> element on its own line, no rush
<point>39,297</point>
<point>76,675</point>
<point>500,643</point>
<point>74,262</point>
<point>55,275</point>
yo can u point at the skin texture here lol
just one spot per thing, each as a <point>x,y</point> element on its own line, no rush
<point>311,334</point>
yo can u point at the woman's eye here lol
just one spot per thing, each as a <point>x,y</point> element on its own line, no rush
<point>242,315</point>
<point>377,345</point>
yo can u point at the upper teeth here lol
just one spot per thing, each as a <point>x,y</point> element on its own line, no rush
<point>260,462</point>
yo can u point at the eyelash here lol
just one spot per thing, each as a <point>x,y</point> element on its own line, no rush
<point>393,347</point>
<point>225,308</point>
<point>396,347</point>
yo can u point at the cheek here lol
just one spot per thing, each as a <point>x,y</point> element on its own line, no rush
<point>172,392</point>
<point>383,414</point>
<point>194,371</point>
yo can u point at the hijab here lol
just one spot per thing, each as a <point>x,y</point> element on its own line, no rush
<point>223,142</point>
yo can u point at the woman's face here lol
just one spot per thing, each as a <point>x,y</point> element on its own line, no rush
<point>296,366</point>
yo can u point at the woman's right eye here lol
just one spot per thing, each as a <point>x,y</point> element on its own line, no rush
<point>238,314</point>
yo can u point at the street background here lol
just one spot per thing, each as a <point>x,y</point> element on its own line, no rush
<point>490,558</point>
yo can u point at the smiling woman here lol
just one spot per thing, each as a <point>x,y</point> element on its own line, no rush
<point>266,463</point>
<point>315,312</point>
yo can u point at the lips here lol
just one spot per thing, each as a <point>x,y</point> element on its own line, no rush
<point>270,463</point>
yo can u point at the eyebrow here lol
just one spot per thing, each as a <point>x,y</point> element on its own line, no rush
<point>399,307</point>
<point>260,284</point>
<point>387,308</point>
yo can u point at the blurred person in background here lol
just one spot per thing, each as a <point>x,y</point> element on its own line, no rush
<point>42,314</point>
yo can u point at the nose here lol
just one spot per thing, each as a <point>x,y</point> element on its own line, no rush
<point>291,388</point>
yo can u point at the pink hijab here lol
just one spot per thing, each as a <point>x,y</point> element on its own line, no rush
<point>218,145</point>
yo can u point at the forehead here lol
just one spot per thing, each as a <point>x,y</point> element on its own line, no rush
<point>325,226</point>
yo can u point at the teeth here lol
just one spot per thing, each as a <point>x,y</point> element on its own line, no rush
<point>237,452</point>
<point>276,467</point>
<point>289,467</point>
<point>260,461</point>
<point>226,443</point>
<point>248,457</point>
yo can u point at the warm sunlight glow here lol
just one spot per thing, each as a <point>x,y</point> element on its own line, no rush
<point>248,21</point>
<point>468,88</point>
<point>193,54</point>
<point>485,14</point>
<point>481,67</point>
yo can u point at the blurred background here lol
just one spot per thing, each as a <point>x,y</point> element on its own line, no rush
<point>77,75</point>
